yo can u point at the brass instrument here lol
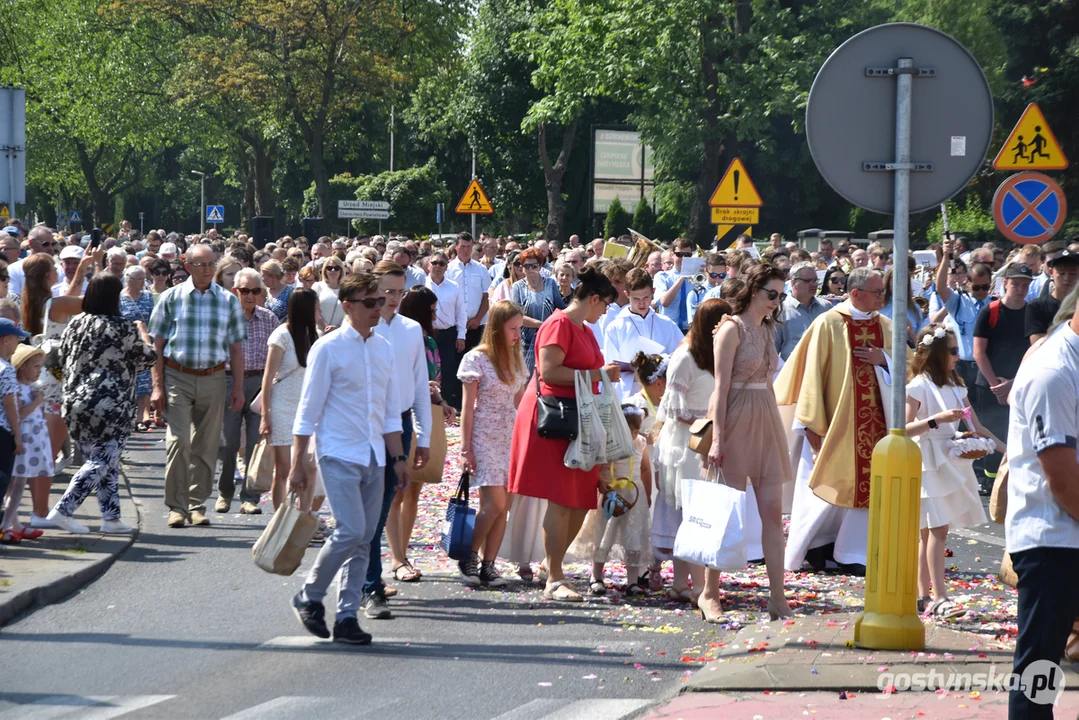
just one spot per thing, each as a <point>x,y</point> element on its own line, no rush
<point>642,248</point>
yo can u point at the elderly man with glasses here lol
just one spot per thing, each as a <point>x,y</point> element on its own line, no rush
<point>799,309</point>
<point>41,241</point>
<point>198,327</point>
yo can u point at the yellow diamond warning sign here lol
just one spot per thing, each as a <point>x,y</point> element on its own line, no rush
<point>735,189</point>
<point>475,202</point>
<point>1031,145</point>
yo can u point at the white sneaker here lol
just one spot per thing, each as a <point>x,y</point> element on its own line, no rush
<point>65,523</point>
<point>115,527</point>
<point>36,521</point>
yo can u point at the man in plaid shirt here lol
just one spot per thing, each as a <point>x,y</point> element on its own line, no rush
<point>197,326</point>
<point>260,323</point>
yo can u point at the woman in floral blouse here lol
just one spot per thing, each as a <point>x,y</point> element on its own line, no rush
<point>101,353</point>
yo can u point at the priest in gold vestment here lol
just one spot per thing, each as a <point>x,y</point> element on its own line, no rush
<point>838,379</point>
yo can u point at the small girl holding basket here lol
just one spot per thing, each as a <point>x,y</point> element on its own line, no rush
<point>936,403</point>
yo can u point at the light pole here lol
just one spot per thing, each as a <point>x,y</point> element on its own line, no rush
<point>202,196</point>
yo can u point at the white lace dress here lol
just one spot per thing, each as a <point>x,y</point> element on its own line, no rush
<point>626,538</point>
<point>285,395</point>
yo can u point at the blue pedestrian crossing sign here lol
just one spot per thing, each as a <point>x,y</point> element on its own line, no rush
<point>215,213</point>
<point>1029,208</point>
<point>75,216</point>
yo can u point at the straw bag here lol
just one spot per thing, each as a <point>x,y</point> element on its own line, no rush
<point>281,546</point>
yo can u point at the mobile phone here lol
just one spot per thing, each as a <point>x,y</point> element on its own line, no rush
<point>96,236</point>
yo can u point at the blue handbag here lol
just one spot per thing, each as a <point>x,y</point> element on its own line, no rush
<point>459,524</point>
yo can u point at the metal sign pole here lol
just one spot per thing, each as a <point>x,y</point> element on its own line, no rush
<point>901,227</point>
<point>473,177</point>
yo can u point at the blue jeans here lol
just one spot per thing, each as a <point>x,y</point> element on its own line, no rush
<point>374,582</point>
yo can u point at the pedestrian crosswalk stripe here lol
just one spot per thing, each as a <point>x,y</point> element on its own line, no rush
<point>301,642</point>
<point>568,709</point>
<point>93,707</point>
<point>283,707</point>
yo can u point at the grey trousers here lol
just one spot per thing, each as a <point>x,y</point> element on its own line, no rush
<point>226,485</point>
<point>355,494</point>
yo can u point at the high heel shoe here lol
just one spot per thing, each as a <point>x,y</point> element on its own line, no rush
<point>709,618</point>
<point>775,612</point>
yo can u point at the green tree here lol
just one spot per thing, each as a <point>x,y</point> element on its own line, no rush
<point>617,221</point>
<point>644,218</point>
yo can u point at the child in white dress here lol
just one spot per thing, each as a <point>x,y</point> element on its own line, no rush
<point>936,402</point>
<point>651,371</point>
<point>627,537</point>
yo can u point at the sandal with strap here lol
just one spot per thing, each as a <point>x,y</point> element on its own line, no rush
<point>946,609</point>
<point>559,590</point>
<point>634,590</point>
<point>406,573</point>
<point>597,588</point>
<point>10,537</point>
<point>29,533</point>
<point>1071,650</point>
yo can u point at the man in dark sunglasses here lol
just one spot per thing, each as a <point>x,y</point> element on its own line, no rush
<point>716,271</point>
<point>672,287</point>
<point>350,396</point>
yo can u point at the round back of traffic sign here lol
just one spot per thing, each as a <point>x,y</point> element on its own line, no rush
<point>1029,208</point>
<point>850,117</point>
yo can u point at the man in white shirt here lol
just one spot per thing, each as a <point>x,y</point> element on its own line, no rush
<point>70,257</point>
<point>405,336</point>
<point>474,281</point>
<point>638,328</point>
<point>1042,521</point>
<point>450,325</point>
<point>40,239</point>
<point>672,287</point>
<point>350,399</point>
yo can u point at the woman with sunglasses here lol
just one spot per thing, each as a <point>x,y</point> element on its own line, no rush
<point>834,286</point>
<point>746,361</point>
<point>179,273</point>
<point>539,297</point>
<point>511,273</point>
<point>277,290</point>
<point>333,312</point>
<point>161,275</point>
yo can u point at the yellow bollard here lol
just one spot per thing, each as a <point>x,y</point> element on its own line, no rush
<point>891,621</point>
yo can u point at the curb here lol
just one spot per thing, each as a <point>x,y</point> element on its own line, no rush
<point>58,589</point>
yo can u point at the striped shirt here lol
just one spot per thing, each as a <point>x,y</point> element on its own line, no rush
<point>198,326</point>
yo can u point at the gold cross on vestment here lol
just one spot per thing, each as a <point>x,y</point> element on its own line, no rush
<point>864,336</point>
<point>870,397</point>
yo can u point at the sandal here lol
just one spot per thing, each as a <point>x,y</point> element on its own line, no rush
<point>525,573</point>
<point>1071,650</point>
<point>406,573</point>
<point>389,592</point>
<point>652,578</point>
<point>559,590</point>
<point>684,595</point>
<point>10,537</point>
<point>141,427</point>
<point>542,575</point>
<point>29,533</point>
<point>946,609</point>
<point>597,588</point>
<point>634,590</point>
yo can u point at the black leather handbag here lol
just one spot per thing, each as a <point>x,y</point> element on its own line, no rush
<point>556,417</point>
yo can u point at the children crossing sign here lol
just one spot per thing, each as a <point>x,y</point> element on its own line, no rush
<point>474,201</point>
<point>1031,145</point>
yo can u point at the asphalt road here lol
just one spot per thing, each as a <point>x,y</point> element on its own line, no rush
<point>185,626</point>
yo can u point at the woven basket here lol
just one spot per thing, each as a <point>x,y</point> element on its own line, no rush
<point>973,454</point>
<point>621,498</point>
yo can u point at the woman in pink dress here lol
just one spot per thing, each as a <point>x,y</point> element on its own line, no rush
<point>563,346</point>
<point>748,440</point>
<point>492,379</point>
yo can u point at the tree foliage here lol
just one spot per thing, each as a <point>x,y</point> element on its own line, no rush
<point>617,221</point>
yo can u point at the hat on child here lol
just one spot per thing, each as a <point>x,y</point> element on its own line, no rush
<point>24,353</point>
<point>7,327</point>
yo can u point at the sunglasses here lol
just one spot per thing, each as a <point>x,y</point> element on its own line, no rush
<point>837,280</point>
<point>179,278</point>
<point>953,351</point>
<point>50,243</point>
<point>160,273</point>
<point>774,294</point>
<point>981,288</point>
<point>369,303</point>
<point>517,264</point>
<point>442,263</point>
<point>531,266</point>
<point>717,276</point>
<point>249,291</point>
<point>683,254</point>
<point>333,269</point>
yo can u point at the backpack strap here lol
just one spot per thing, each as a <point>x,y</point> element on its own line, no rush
<point>994,313</point>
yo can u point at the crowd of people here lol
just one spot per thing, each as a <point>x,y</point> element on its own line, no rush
<point>350,357</point>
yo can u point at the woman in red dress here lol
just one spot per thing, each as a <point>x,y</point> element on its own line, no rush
<point>563,345</point>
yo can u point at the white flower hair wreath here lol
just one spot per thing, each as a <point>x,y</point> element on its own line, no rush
<point>938,334</point>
